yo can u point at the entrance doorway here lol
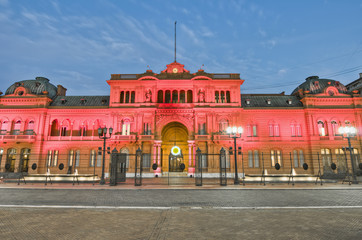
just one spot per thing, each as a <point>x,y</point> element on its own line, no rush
<point>24,159</point>
<point>175,147</point>
<point>10,161</point>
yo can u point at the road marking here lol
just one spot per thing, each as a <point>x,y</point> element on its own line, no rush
<point>177,208</point>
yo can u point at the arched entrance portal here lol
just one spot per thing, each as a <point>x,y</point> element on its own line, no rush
<point>174,147</point>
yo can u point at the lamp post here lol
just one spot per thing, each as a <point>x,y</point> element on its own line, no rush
<point>349,132</point>
<point>102,133</point>
<point>235,132</point>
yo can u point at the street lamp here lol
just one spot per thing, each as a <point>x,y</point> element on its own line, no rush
<point>102,133</point>
<point>349,132</point>
<point>235,132</point>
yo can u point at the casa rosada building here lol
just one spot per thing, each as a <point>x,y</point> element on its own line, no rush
<point>155,111</point>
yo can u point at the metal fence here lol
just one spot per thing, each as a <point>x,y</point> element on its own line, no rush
<point>203,169</point>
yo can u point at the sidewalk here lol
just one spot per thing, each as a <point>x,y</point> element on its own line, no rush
<point>130,185</point>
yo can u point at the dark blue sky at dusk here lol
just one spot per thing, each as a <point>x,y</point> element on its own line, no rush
<point>274,45</point>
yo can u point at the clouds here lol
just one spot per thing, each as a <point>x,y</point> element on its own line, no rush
<point>74,42</point>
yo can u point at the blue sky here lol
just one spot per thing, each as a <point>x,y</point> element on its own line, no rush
<point>274,45</point>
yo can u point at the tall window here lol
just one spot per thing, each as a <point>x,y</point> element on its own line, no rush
<point>326,158</point>
<point>228,96</point>
<point>55,157</point>
<point>92,160</point>
<point>356,158</point>
<point>71,158</point>
<point>334,125</point>
<point>160,96</point>
<point>253,158</point>
<point>250,158</point>
<point>182,96</point>
<point>147,129</point>
<point>341,161</point>
<point>189,96</point>
<point>217,97</point>
<point>126,127</point>
<point>202,128</point>
<point>146,160</point>
<point>298,158</point>
<point>4,127</point>
<point>204,161</point>
<point>298,130</point>
<point>127,97</point>
<point>49,158</point>
<point>168,96</point>
<point>293,130</point>
<point>77,158</point>
<point>1,154</point>
<point>275,157</point>
<point>126,151</point>
<point>30,128</point>
<point>321,128</point>
<point>16,130</point>
<point>82,130</point>
<point>248,130</point>
<point>222,96</point>
<point>223,125</point>
<point>121,97</point>
<point>133,96</point>
<point>254,131</point>
<point>174,96</point>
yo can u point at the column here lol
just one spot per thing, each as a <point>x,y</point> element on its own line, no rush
<point>157,152</point>
<point>192,151</point>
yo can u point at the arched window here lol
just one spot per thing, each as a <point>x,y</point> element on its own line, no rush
<point>54,128</point>
<point>4,127</point>
<point>189,96</point>
<point>298,129</point>
<point>182,96</point>
<point>334,125</point>
<point>321,128</point>
<point>126,151</point>
<point>126,127</point>
<point>127,97</point>
<point>271,130</point>
<point>160,96</point>
<point>133,96</point>
<point>168,96</point>
<point>65,129</point>
<point>83,130</point>
<point>222,96</point>
<point>11,157</point>
<point>16,128</point>
<point>121,97</point>
<point>276,130</point>
<point>228,96</point>
<point>217,97</point>
<point>174,96</point>
<point>30,128</point>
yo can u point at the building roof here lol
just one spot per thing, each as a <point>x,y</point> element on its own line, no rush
<point>37,86</point>
<point>80,101</point>
<point>315,85</point>
<point>269,101</point>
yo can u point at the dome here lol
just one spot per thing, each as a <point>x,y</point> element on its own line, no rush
<point>315,85</point>
<point>39,86</point>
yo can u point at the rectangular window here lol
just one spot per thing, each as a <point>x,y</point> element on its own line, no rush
<point>292,129</point>
<point>275,157</point>
<point>203,160</point>
<point>1,154</point>
<point>271,133</point>
<point>92,158</point>
<point>254,131</point>
<point>126,128</point>
<point>99,160</point>
<point>301,158</point>
<point>71,158</point>
<point>202,128</point>
<point>250,158</point>
<point>146,160</point>
<point>77,158</point>
<point>55,158</point>
<point>49,158</point>
<point>248,131</point>
<point>299,130</point>
<point>276,130</point>
<point>295,158</point>
<point>256,158</point>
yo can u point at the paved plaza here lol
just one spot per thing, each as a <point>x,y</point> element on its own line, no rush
<point>64,211</point>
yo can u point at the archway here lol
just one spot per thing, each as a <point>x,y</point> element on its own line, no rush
<point>174,134</point>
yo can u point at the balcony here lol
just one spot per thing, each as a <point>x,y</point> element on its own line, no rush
<point>17,138</point>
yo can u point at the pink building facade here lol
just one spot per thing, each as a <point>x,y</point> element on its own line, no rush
<point>157,111</point>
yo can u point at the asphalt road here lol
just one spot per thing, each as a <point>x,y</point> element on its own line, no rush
<point>182,198</point>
